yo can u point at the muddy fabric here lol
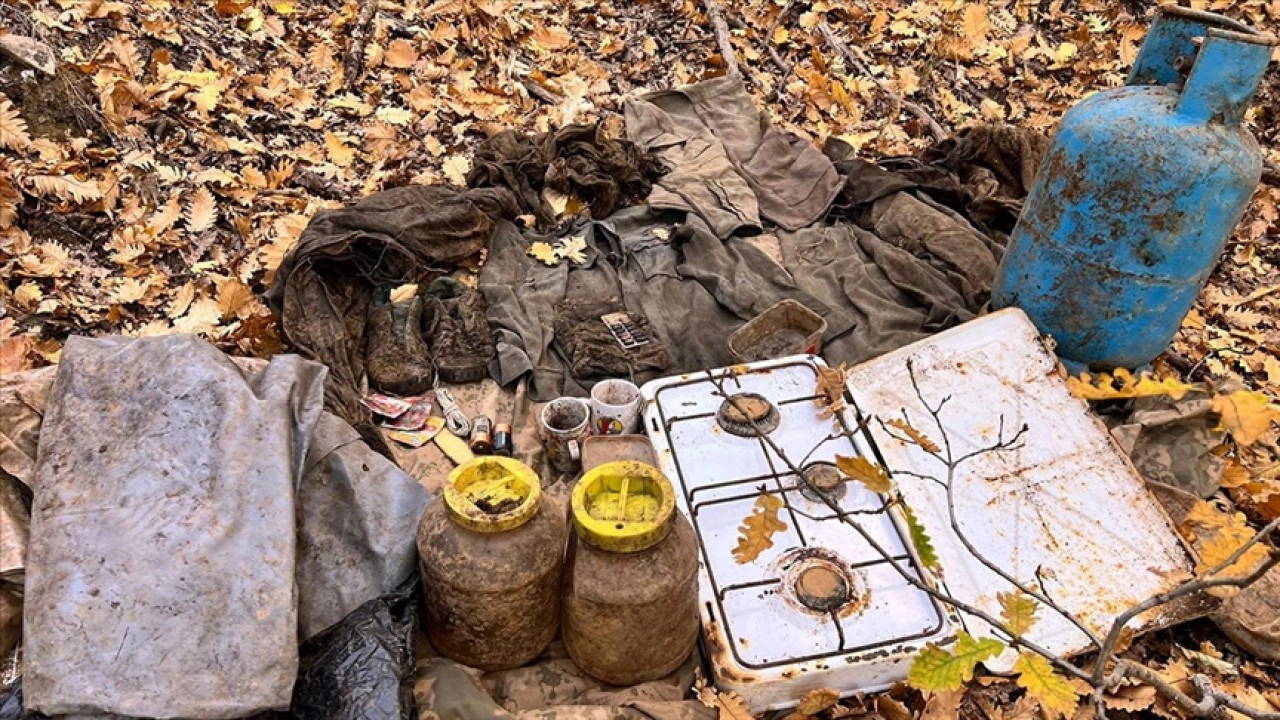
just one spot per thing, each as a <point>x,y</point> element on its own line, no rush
<point>593,351</point>
<point>728,164</point>
<point>552,688</point>
<point>458,328</point>
<point>357,519</point>
<point>161,572</point>
<point>397,358</point>
<point>1251,618</point>
<point>694,289</point>
<point>1171,442</point>
<point>23,397</point>
<point>578,160</point>
<point>325,284</point>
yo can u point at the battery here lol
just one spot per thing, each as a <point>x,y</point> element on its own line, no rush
<point>502,444</point>
<point>481,435</point>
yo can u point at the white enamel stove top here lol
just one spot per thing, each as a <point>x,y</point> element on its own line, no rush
<point>821,607</point>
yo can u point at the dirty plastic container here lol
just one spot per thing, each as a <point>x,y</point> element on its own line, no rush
<point>492,556</point>
<point>786,328</point>
<point>631,593</point>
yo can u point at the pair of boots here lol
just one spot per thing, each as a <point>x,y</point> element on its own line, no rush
<point>411,341</point>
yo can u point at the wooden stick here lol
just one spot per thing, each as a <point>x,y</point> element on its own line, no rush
<point>1271,174</point>
<point>936,130</point>
<point>768,41</point>
<point>721,28</point>
<point>540,92</point>
<point>359,37</point>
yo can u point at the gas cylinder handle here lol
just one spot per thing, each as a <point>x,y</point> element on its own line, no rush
<point>1170,47</point>
<point>1225,76</point>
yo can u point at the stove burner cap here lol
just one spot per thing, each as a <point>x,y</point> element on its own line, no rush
<point>824,480</point>
<point>738,412</point>
<point>821,588</point>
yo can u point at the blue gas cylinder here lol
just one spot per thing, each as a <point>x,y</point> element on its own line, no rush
<point>1138,193</point>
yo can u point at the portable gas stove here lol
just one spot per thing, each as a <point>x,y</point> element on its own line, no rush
<point>820,607</point>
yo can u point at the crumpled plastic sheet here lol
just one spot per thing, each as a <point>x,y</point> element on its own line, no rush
<point>362,668</point>
<point>160,577</point>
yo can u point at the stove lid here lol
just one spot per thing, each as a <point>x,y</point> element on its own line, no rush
<point>1066,507</point>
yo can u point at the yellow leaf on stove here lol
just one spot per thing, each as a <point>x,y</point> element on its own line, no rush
<point>1054,692</point>
<point>830,391</point>
<point>1247,415</point>
<point>202,210</point>
<point>920,539</point>
<point>544,253</point>
<point>915,435</point>
<point>1017,611</point>
<point>875,478</point>
<point>755,535</point>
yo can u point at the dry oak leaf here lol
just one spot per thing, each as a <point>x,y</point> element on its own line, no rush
<point>728,705</point>
<point>64,187</point>
<point>916,436</point>
<point>1247,415</point>
<point>757,529</point>
<point>181,300</point>
<point>550,38</point>
<point>938,669</point>
<point>130,290</point>
<point>544,253</point>
<point>202,317</point>
<point>1221,535</point>
<point>400,54</point>
<point>1122,384</point>
<point>28,295</point>
<point>13,129</point>
<point>1130,698</point>
<point>875,478</point>
<point>815,701</point>
<point>202,211</point>
<point>233,296</point>
<point>943,705</point>
<point>1038,678</point>
<point>340,153</point>
<point>455,168</point>
<point>573,249</point>
<point>830,392</point>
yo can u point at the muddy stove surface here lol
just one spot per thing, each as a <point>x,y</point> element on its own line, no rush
<point>821,607</point>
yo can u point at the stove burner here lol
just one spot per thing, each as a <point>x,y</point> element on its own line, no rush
<point>739,411</point>
<point>818,582</point>
<point>821,589</point>
<point>825,482</point>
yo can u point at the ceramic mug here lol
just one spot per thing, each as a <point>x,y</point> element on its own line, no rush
<point>565,423</point>
<point>616,405</point>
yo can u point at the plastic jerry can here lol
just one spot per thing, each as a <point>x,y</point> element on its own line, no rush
<point>492,556</point>
<point>1138,193</point>
<point>631,591</point>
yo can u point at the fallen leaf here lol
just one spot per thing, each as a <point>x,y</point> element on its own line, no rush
<point>340,153</point>
<point>233,296</point>
<point>1042,682</point>
<point>202,317</point>
<point>943,705</point>
<point>872,476</point>
<point>831,389</point>
<point>757,529</point>
<point>938,669</point>
<point>1122,384</point>
<point>1017,611</point>
<point>920,539</point>
<point>13,129</point>
<point>64,187</point>
<point>1130,698</point>
<point>202,211</point>
<point>400,54</point>
<point>573,249</point>
<point>1221,535</point>
<point>916,436</point>
<point>544,253</point>
<point>456,168</point>
<point>729,706</point>
<point>1247,415</point>
<point>817,700</point>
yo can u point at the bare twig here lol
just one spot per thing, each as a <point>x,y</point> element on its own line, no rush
<point>721,29</point>
<point>535,89</point>
<point>360,33</point>
<point>936,130</point>
<point>1212,700</point>
<point>768,41</point>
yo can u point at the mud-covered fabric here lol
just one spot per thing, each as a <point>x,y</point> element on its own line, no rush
<point>693,288</point>
<point>326,283</point>
<point>160,577</point>
<point>579,160</point>
<point>593,351</point>
<point>552,688</point>
<point>728,164</point>
<point>1172,442</point>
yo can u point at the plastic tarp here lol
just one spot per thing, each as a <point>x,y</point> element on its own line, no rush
<point>160,577</point>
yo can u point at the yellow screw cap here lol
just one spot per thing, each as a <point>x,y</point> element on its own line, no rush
<point>492,494</point>
<point>623,506</point>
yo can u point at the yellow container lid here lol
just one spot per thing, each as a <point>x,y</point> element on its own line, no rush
<point>492,494</point>
<point>623,506</point>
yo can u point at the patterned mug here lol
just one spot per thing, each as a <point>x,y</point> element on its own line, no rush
<point>565,423</point>
<point>616,405</point>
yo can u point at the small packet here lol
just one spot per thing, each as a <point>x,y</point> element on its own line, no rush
<point>412,419</point>
<point>418,438</point>
<point>388,406</point>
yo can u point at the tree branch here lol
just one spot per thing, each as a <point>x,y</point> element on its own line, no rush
<point>721,30</point>
<point>1271,174</point>
<point>359,37</point>
<point>939,134</point>
<point>1212,700</point>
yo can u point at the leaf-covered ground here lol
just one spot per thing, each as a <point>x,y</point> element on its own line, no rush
<point>155,183</point>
